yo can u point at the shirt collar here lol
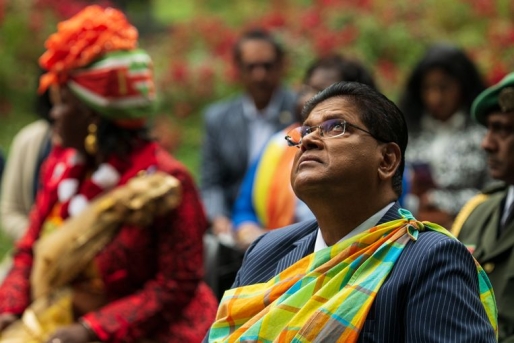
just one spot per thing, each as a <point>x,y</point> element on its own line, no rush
<point>273,108</point>
<point>367,224</point>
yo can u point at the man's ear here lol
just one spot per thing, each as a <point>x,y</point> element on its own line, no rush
<point>391,158</point>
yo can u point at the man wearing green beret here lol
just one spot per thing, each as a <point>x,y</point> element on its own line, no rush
<point>486,224</point>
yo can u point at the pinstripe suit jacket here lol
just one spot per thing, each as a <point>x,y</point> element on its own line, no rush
<point>431,294</point>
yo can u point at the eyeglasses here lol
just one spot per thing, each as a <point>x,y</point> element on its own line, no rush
<point>267,66</point>
<point>328,129</point>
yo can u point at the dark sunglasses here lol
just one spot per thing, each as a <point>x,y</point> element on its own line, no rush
<point>267,66</point>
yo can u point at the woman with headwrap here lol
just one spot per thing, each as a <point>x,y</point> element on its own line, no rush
<point>113,252</point>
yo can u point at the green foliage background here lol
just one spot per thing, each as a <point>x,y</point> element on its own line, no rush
<point>190,41</point>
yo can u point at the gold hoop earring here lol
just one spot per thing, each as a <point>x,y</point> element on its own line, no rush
<point>90,143</point>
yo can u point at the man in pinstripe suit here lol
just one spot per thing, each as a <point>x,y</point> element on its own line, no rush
<point>348,170</point>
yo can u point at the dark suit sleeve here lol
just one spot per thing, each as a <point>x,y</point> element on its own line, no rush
<point>238,282</point>
<point>443,302</point>
<point>211,171</point>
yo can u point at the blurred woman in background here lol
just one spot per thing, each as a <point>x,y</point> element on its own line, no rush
<point>114,250</point>
<point>446,162</point>
<point>28,150</point>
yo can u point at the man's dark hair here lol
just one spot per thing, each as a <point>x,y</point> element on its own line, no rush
<point>258,34</point>
<point>454,62</point>
<point>348,70</point>
<point>382,117</point>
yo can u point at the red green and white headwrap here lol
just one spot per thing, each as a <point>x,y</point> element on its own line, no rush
<point>94,53</point>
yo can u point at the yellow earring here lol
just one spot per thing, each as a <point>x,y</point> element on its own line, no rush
<point>90,142</point>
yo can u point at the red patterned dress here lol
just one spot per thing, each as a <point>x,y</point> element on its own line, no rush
<point>151,278</point>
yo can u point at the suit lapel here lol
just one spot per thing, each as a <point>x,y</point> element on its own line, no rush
<point>489,245</point>
<point>391,214</point>
<point>239,124</point>
<point>507,236</point>
<point>502,243</point>
<point>302,247</point>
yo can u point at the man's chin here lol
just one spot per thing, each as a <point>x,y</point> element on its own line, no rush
<point>307,183</point>
<point>496,174</point>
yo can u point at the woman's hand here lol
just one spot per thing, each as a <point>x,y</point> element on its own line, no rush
<point>7,319</point>
<point>75,333</point>
<point>221,225</point>
<point>247,233</point>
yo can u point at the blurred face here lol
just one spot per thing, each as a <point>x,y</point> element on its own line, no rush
<point>320,79</point>
<point>344,164</point>
<point>71,119</point>
<point>499,145</point>
<point>441,94</point>
<point>259,69</point>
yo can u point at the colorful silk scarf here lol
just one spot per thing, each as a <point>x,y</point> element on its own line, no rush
<point>273,197</point>
<point>325,296</point>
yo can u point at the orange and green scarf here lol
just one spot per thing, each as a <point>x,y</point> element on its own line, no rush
<point>326,296</point>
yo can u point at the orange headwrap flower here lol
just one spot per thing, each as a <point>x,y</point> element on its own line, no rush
<point>83,38</point>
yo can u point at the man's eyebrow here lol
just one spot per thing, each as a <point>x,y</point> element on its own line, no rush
<point>337,115</point>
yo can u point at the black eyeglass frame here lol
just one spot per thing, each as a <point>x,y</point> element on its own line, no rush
<point>306,130</point>
<point>266,65</point>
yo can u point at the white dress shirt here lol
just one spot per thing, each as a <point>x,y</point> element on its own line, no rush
<point>261,123</point>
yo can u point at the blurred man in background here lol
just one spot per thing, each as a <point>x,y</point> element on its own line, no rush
<point>485,224</point>
<point>236,130</point>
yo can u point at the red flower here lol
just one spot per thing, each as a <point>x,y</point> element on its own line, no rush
<point>348,35</point>
<point>205,81</point>
<point>231,73</point>
<point>387,70</point>
<point>330,3</point>
<point>179,72</point>
<point>484,8</point>
<point>273,21</point>
<point>182,109</point>
<point>37,21</point>
<point>364,4</point>
<point>2,10</point>
<point>497,73</point>
<point>310,19</point>
<point>224,45</point>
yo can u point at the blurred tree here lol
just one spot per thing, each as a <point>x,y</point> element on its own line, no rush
<point>191,44</point>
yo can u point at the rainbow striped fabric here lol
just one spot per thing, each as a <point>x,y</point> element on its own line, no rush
<point>325,296</point>
<point>272,195</point>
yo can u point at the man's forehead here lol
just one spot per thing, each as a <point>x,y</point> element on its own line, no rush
<point>334,108</point>
<point>257,49</point>
<point>499,116</point>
